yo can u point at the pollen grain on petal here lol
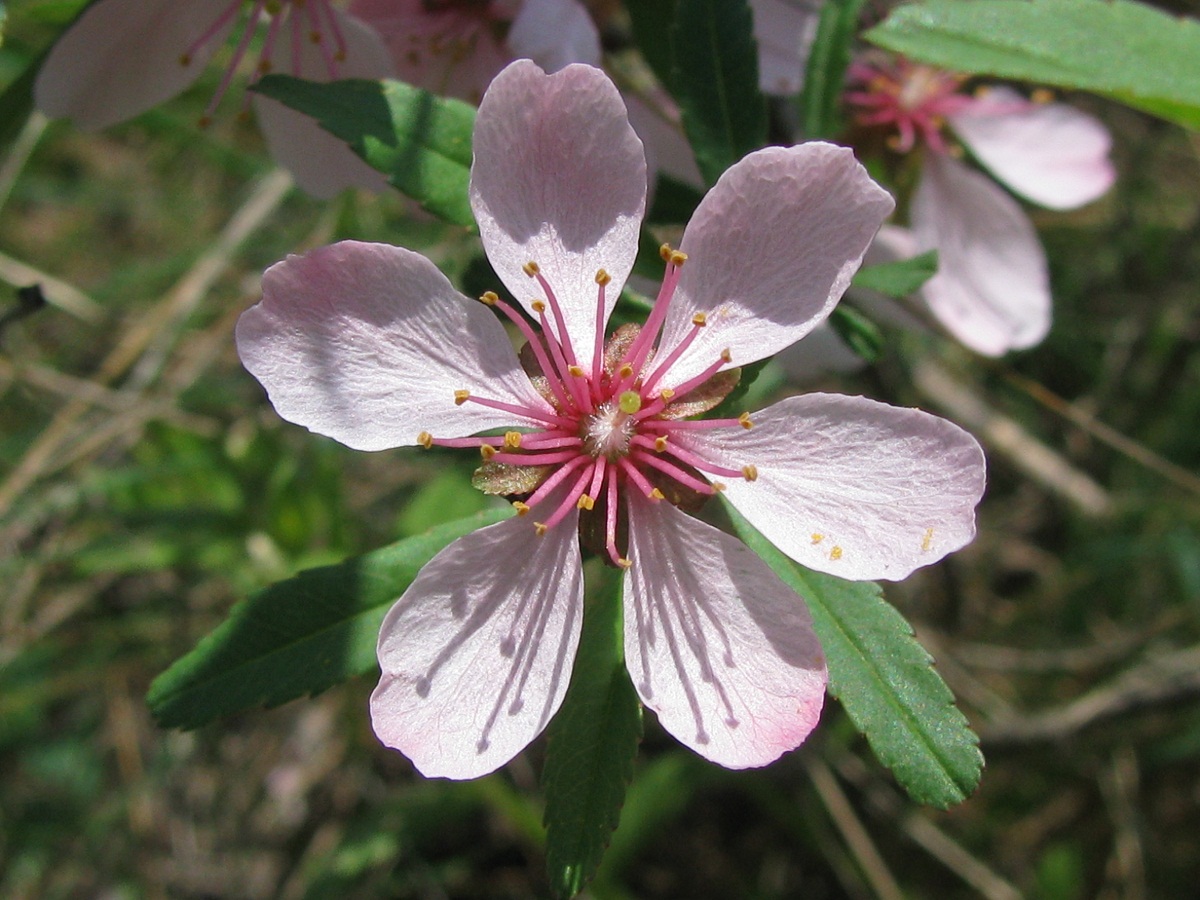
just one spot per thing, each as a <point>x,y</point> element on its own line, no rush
<point>461,397</point>
<point>836,552</point>
<point>927,540</point>
<point>817,537</point>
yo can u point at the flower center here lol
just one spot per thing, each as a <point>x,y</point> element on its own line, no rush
<point>608,431</point>
<point>913,99</point>
<point>311,21</point>
<point>612,428</point>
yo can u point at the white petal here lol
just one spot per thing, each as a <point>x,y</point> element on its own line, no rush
<point>322,164</point>
<point>784,30</point>
<point>559,178</point>
<point>667,149</point>
<point>122,57</point>
<point>852,487</point>
<point>719,647</point>
<point>1049,153</point>
<point>367,343</point>
<point>477,653</point>
<point>771,248</point>
<point>992,289</point>
<point>554,34</point>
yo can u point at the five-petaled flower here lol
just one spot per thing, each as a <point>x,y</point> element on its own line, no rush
<point>123,57</point>
<point>992,289</point>
<point>371,345</point>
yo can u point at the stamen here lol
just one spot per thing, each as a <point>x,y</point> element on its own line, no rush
<point>461,397</point>
<point>487,451</point>
<point>512,439</point>
<point>221,21</point>
<point>425,439</point>
<point>691,384</point>
<point>637,477</point>
<point>238,54</point>
<point>490,298</point>
<point>610,523</point>
<point>570,501</point>
<point>675,472</point>
<point>534,459</point>
<point>602,280</point>
<point>521,508</point>
<point>642,344</point>
<point>750,473</point>
<point>527,412</point>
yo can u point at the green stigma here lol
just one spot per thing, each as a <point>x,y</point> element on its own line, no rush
<point>630,402</point>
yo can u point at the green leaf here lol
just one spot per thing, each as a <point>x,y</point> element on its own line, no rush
<point>898,279</point>
<point>420,141</point>
<point>299,636</point>
<point>821,98</point>
<point>716,82</point>
<point>884,680</point>
<point>650,21</point>
<point>16,103</point>
<point>860,333</point>
<point>1127,51</point>
<point>591,746</point>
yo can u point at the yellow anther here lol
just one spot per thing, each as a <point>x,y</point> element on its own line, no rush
<point>531,268</point>
<point>665,252</point>
<point>487,451</point>
<point>575,371</point>
<point>1041,96</point>
<point>726,355</point>
<point>982,91</point>
<point>512,439</point>
<point>489,298</point>
<point>745,421</point>
<point>666,393</point>
<point>624,563</point>
<point>656,494</point>
<point>750,473</point>
<point>539,306</point>
<point>718,486</point>
<point>835,553</point>
<point>700,320</point>
<point>602,277</point>
<point>927,540</point>
<point>185,60</point>
<point>585,502</point>
<point>817,537</point>
<point>539,528</point>
<point>340,56</point>
<point>625,371</point>
<point>461,397</point>
<point>521,508</point>
<point>425,439</point>
<point>315,37</point>
<point>677,258</point>
<point>660,443</point>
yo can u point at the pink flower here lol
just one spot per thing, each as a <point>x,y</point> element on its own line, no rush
<point>456,47</point>
<point>992,289</point>
<point>123,57</point>
<point>371,345</point>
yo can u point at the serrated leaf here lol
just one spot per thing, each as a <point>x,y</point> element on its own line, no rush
<point>900,278</point>
<point>590,750</point>
<point>884,679</point>
<point>716,82</point>
<point>1127,51</point>
<point>298,636</point>
<point>821,98</point>
<point>420,141</point>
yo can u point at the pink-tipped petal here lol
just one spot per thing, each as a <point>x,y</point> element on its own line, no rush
<point>1050,153</point>
<point>123,57</point>
<point>477,653</point>
<point>719,647</point>
<point>852,487</point>
<point>784,30</point>
<point>992,288</point>
<point>559,179</point>
<point>771,248</point>
<point>367,343</point>
<point>323,164</point>
<point>554,34</point>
